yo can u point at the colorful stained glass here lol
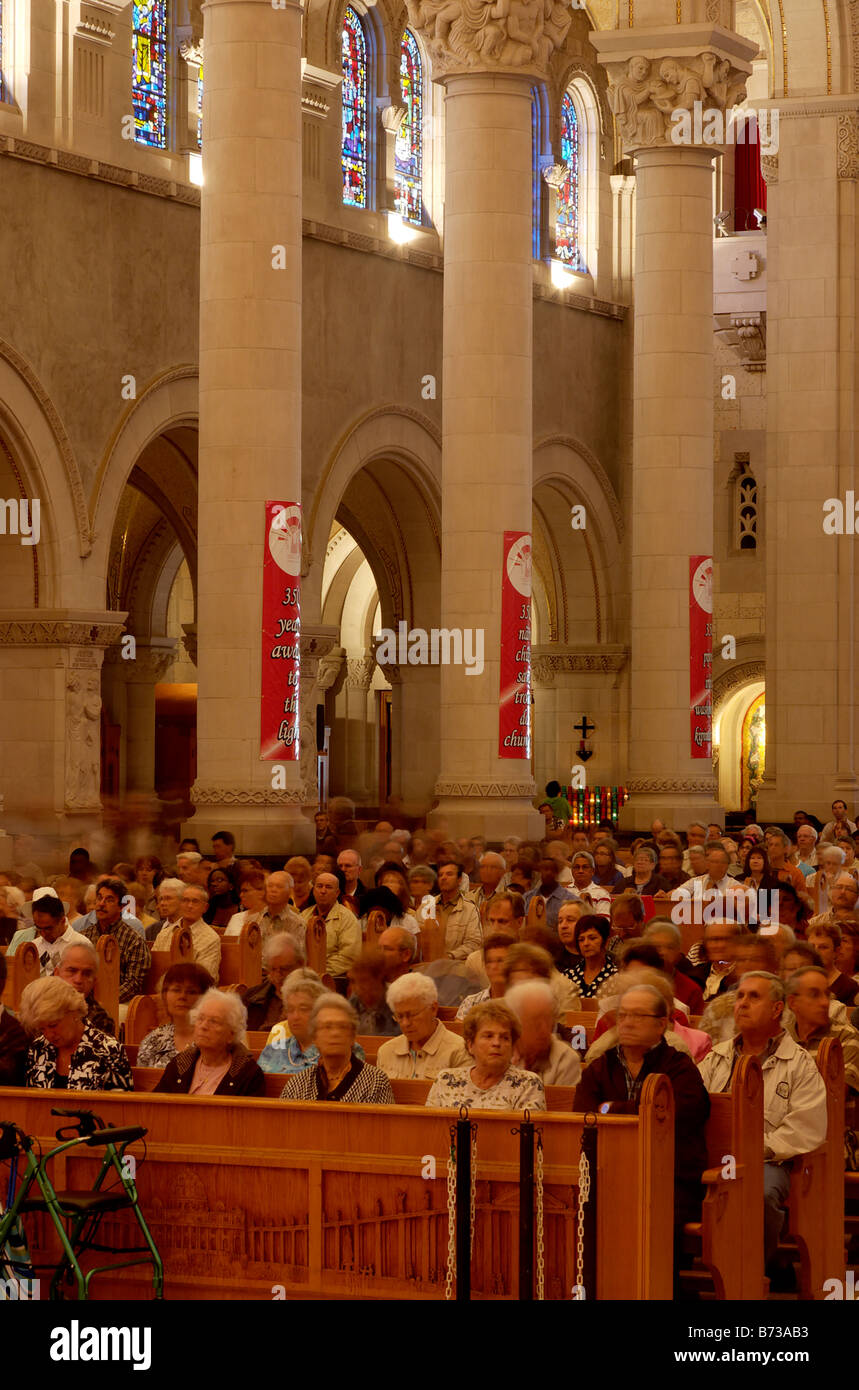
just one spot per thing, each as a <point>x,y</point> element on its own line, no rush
<point>354,96</point>
<point>149,72</point>
<point>567,221</point>
<point>200,106</point>
<point>408,153</point>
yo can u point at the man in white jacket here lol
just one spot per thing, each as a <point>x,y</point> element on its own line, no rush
<point>794,1090</point>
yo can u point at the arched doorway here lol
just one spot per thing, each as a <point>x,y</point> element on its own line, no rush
<point>739,736</point>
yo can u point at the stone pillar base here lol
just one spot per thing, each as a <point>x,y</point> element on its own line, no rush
<point>676,808</point>
<point>494,817</point>
<point>260,829</point>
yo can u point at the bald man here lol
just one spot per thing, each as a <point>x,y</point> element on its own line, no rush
<point>342,932</point>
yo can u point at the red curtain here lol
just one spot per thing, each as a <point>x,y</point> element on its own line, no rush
<point>750,191</point>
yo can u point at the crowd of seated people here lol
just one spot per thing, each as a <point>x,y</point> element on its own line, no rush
<point>525,933</point>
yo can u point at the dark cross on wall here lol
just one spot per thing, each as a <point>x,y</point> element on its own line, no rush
<point>584,727</point>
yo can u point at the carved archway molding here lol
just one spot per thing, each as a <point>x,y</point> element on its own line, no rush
<point>725,685</point>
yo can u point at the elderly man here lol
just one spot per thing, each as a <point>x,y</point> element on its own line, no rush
<point>107,919</point>
<point>719,946</point>
<point>794,1091</point>
<point>422,884</point>
<point>79,967</point>
<point>627,920</point>
<point>281,954</point>
<point>549,889</point>
<point>671,865</point>
<point>50,931</point>
<point>597,899</point>
<point>696,835</point>
<point>205,940</point>
<point>716,879</point>
<point>187,864</point>
<point>342,932</point>
<point>354,891</point>
<point>807,994</point>
<point>277,915</point>
<point>458,916</point>
<point>168,896</point>
<point>399,948</point>
<point>665,936</point>
<point>842,902</point>
<point>805,857</point>
<point>838,825</point>
<point>779,848</point>
<point>491,870</point>
<point>425,1047</point>
<point>539,1048</point>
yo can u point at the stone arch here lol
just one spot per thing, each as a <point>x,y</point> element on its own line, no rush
<point>168,402</point>
<point>43,465</point>
<point>733,694</point>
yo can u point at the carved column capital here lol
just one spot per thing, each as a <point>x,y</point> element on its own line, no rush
<point>471,36</point>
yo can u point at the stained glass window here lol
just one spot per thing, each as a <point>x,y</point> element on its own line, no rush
<point>408,156</point>
<point>567,221</point>
<point>354,95</point>
<point>149,72</point>
<point>200,106</point>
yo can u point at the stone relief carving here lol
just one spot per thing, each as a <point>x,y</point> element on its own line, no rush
<point>644,92</point>
<point>847,144</point>
<point>528,790</point>
<point>213,794</point>
<point>671,784</point>
<point>463,35</point>
<point>769,168</point>
<point>83,741</point>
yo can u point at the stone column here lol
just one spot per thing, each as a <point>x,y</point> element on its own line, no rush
<point>152,661</point>
<point>358,730</point>
<point>320,663</point>
<point>487,67</point>
<point>652,73</point>
<point>811,709</point>
<point>250,399</point>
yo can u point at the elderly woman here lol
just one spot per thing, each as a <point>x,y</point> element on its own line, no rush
<point>830,860</point>
<point>67,1051</point>
<point>289,1047</point>
<point>181,988</point>
<point>644,878</point>
<point>425,1047</point>
<point>595,967</point>
<point>495,949</point>
<point>422,884</point>
<point>217,1063</point>
<point>338,1075</point>
<point>491,1082</point>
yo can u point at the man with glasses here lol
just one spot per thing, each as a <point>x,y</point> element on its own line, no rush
<point>612,1084</point>
<point>425,1047</point>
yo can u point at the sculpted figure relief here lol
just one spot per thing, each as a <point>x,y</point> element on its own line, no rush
<point>83,740</point>
<point>478,33</point>
<point>643,99</point>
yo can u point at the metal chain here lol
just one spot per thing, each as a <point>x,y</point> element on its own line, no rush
<point>473,1181</point>
<point>451,1216</point>
<point>538,1186</point>
<point>584,1194</point>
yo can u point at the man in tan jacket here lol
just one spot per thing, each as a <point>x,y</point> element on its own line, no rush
<point>425,1046</point>
<point>459,917</point>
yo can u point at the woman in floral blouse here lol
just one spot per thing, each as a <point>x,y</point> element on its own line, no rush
<point>67,1051</point>
<point>594,968</point>
<point>183,986</point>
<point>491,1083</point>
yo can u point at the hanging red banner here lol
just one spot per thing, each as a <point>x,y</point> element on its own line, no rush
<point>281,662</point>
<point>701,655</point>
<point>514,709</point>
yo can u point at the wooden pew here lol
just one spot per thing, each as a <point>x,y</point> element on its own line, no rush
<point>340,1201</point>
<point>107,980</point>
<point>21,969</point>
<point>377,923</point>
<point>816,1203</point>
<point>432,940</point>
<point>181,949</point>
<point>241,958</point>
<point>731,1228</point>
<point>144,1014</point>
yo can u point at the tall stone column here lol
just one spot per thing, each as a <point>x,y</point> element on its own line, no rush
<point>654,72</point>
<point>811,709</point>
<point>250,400</point>
<point>487,66</point>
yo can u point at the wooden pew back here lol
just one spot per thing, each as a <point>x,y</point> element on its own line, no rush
<point>181,949</point>
<point>107,980</point>
<point>351,1201</point>
<point>816,1204</point>
<point>241,957</point>
<point>22,968</point>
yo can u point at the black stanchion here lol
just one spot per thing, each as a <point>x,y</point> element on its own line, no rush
<point>463,1207</point>
<point>526,1210</point>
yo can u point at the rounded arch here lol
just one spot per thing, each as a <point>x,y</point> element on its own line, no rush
<point>168,402</point>
<point>732,701</point>
<point>43,464</point>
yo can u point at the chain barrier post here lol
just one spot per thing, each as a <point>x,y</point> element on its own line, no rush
<point>526,1209</point>
<point>450,1273</point>
<point>538,1192</point>
<point>586,1255</point>
<point>464,1204</point>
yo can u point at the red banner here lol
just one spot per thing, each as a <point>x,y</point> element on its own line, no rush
<point>281,624</point>
<point>514,709</point>
<point>701,655</point>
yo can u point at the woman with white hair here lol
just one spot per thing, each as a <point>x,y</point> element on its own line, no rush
<point>67,1052</point>
<point>289,1047</point>
<point>424,1046</point>
<point>217,1063</point>
<point>338,1075</point>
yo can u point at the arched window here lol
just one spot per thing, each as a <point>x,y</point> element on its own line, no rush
<point>567,243</point>
<point>149,72</point>
<point>745,504</point>
<point>354,94</point>
<point>408,154</point>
